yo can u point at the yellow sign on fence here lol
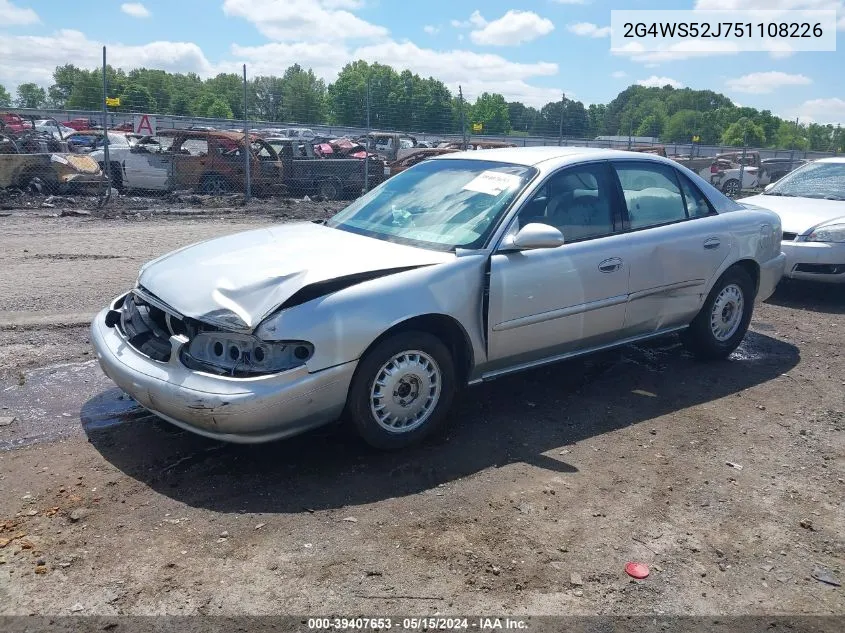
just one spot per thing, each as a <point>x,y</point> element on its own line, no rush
<point>113,101</point>
<point>696,138</point>
<point>477,127</point>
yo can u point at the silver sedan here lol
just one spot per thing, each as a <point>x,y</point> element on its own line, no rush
<point>459,270</point>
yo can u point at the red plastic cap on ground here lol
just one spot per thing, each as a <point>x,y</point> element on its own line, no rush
<point>636,570</point>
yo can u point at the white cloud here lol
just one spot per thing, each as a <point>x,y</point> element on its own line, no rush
<point>766,82</point>
<point>33,58</point>
<point>697,48</point>
<point>619,74</point>
<point>514,27</point>
<point>776,5</point>
<point>474,72</point>
<point>822,111</point>
<point>588,29</point>
<point>474,20</point>
<point>11,15</point>
<point>135,9</point>
<point>658,82</point>
<point>572,1</point>
<point>293,20</point>
<point>431,30</point>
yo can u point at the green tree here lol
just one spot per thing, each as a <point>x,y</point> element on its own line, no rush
<point>219,109</point>
<point>137,98</point>
<point>303,96</point>
<point>64,79</point>
<point>5,97</point>
<point>596,114</point>
<point>744,132</point>
<point>790,135</point>
<point>31,95</point>
<point>491,110</point>
<point>682,126</point>
<point>266,98</point>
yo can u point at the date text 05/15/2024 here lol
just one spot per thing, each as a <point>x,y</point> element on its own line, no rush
<point>429,623</point>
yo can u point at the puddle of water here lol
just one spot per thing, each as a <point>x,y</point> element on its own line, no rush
<point>48,405</point>
<point>111,408</point>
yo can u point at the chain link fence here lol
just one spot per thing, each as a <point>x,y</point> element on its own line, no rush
<point>158,134</point>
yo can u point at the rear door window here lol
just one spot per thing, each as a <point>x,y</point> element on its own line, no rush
<point>652,194</point>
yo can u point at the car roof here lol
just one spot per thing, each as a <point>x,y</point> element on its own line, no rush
<point>552,156</point>
<point>832,159</point>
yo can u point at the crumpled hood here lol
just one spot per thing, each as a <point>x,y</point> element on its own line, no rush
<point>237,280</point>
<point>798,215</point>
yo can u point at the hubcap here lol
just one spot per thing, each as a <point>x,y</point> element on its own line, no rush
<point>727,313</point>
<point>405,391</point>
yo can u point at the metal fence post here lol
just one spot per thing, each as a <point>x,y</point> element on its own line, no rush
<point>106,161</point>
<point>560,126</point>
<point>247,147</point>
<point>463,125</point>
<point>367,142</point>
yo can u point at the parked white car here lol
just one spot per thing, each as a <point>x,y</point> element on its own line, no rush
<point>298,133</point>
<point>58,130</point>
<point>811,204</point>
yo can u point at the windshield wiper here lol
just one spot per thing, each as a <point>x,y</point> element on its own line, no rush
<point>833,197</point>
<point>778,193</point>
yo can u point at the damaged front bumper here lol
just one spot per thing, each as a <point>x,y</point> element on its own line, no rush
<point>57,171</point>
<point>232,409</point>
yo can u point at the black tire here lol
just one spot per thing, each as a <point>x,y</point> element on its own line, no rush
<point>731,187</point>
<point>328,190</point>
<point>358,404</point>
<point>115,175</point>
<point>214,185</point>
<point>700,338</point>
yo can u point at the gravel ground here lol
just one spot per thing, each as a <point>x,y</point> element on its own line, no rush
<point>727,479</point>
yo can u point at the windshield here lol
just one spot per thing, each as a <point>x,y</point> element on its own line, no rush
<point>438,204</point>
<point>813,180</point>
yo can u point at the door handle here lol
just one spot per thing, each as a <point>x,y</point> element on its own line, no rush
<point>712,242</point>
<point>610,265</point>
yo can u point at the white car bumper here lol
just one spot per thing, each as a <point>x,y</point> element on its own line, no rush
<point>816,261</point>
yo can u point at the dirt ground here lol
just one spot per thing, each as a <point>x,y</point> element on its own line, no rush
<point>726,479</point>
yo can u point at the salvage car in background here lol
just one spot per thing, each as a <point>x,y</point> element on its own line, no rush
<point>304,172</point>
<point>463,268</point>
<point>45,172</point>
<point>212,162</point>
<point>811,204</point>
<point>91,142</point>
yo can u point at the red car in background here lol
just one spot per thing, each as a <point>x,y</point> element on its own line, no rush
<point>82,124</point>
<point>12,123</point>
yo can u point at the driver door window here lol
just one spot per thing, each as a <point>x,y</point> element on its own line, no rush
<point>578,201</point>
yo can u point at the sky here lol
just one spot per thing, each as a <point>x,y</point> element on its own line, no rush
<point>530,51</point>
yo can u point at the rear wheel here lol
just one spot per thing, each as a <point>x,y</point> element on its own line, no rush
<point>731,187</point>
<point>328,190</point>
<point>402,390</point>
<point>721,324</point>
<point>214,185</point>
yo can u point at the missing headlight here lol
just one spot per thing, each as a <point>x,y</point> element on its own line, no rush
<point>243,355</point>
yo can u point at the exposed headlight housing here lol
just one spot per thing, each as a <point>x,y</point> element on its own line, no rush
<point>244,355</point>
<point>828,233</point>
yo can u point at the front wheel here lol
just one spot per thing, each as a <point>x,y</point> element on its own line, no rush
<point>402,390</point>
<point>721,324</point>
<point>731,188</point>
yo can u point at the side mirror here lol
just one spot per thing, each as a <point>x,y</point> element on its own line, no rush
<point>769,186</point>
<point>533,236</point>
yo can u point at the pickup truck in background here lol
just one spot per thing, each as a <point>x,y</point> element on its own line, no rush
<point>305,173</point>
